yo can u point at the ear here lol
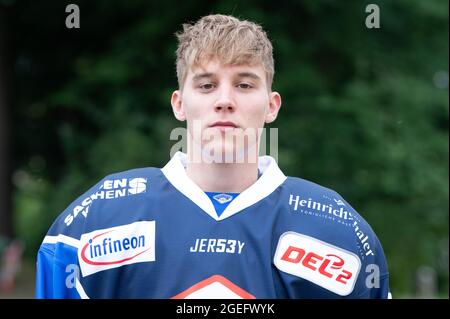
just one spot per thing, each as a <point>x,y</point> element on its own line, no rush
<point>274,107</point>
<point>177,106</point>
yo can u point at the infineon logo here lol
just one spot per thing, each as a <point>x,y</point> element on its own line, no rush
<point>325,265</point>
<point>117,246</point>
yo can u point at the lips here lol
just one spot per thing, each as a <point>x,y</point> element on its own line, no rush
<point>224,124</point>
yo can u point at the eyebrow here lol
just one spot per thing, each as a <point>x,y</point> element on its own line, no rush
<point>249,75</point>
<point>200,76</point>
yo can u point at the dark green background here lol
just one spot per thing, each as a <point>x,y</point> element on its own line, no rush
<point>365,111</point>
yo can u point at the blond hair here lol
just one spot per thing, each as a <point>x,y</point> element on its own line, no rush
<point>230,40</point>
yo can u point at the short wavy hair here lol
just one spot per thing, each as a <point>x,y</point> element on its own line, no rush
<point>230,40</point>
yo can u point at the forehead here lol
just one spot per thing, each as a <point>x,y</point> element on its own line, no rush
<point>218,69</point>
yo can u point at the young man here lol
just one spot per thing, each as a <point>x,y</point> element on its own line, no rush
<point>217,222</point>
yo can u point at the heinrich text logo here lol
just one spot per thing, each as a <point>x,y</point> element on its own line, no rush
<point>329,209</point>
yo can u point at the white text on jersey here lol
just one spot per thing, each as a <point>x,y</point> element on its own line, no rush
<point>311,204</point>
<point>220,245</point>
<point>363,239</point>
<point>109,189</point>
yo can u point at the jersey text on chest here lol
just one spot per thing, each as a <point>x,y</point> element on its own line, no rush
<point>219,245</point>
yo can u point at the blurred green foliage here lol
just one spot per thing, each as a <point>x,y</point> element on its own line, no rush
<point>365,111</point>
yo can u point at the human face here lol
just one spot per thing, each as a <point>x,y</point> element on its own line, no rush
<point>226,102</point>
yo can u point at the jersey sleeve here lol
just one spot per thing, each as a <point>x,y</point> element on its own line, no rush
<point>373,281</point>
<point>373,278</point>
<point>57,267</point>
<point>57,271</point>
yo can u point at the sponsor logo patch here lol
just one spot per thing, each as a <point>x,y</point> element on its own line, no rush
<point>223,198</point>
<point>328,210</point>
<point>363,239</point>
<point>109,189</point>
<point>328,266</point>
<point>117,246</point>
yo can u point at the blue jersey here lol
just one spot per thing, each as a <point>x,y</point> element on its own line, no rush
<point>153,233</point>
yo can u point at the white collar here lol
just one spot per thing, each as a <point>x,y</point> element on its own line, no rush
<point>271,178</point>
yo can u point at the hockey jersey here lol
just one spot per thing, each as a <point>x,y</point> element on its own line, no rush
<point>153,233</point>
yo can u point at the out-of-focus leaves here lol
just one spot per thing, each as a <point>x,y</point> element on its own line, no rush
<point>365,111</point>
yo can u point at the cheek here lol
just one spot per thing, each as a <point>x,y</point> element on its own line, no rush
<point>257,110</point>
<point>192,108</point>
<point>195,114</point>
<point>196,102</point>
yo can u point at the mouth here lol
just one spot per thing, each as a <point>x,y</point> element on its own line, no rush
<point>224,125</point>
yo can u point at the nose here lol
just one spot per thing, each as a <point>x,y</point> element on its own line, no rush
<point>225,101</point>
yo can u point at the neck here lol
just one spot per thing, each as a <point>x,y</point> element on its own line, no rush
<point>222,177</point>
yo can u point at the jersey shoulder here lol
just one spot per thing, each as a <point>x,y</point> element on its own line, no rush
<point>324,240</point>
<point>114,189</point>
<point>325,214</point>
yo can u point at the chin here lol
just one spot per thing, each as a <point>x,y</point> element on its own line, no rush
<point>226,151</point>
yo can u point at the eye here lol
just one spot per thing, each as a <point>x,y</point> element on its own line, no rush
<point>245,86</point>
<point>206,87</point>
